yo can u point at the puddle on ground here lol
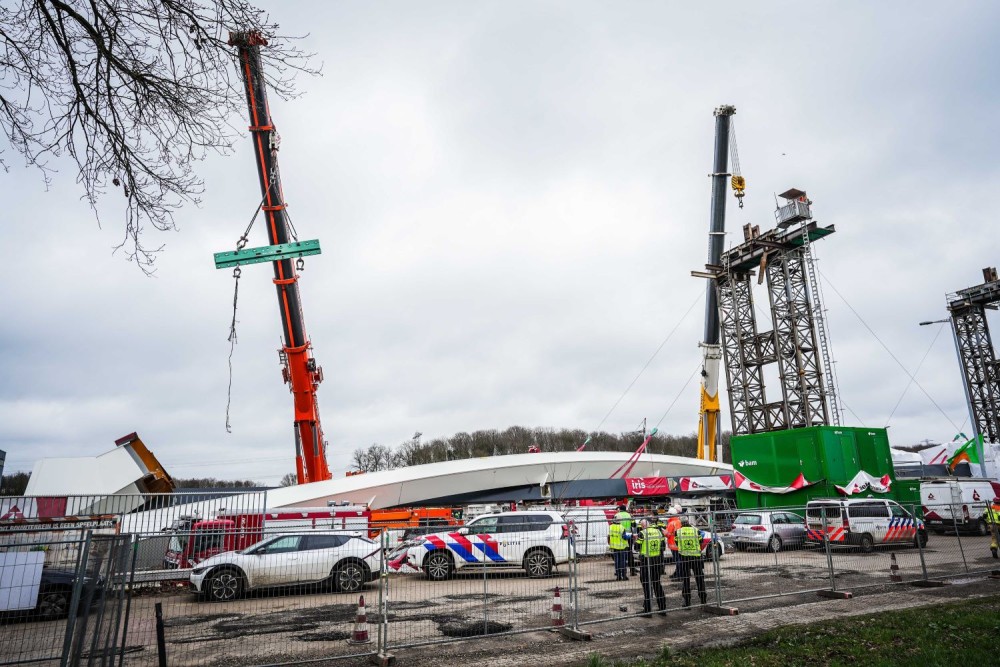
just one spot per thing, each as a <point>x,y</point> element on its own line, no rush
<point>332,636</point>
<point>473,628</point>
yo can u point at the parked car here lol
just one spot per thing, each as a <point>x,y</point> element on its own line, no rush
<point>718,544</point>
<point>55,594</point>
<point>534,541</point>
<point>863,523</point>
<point>772,530</point>
<point>344,561</point>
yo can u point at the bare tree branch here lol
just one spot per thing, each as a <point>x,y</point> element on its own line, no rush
<point>134,92</point>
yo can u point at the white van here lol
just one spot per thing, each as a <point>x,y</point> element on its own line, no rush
<point>962,501</point>
<point>592,526</point>
<point>862,523</point>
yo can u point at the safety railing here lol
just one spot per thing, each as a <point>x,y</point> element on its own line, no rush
<point>299,596</point>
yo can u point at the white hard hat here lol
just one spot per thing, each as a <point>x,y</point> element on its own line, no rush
<point>676,509</point>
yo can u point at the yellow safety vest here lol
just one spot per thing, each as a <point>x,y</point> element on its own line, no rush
<point>688,541</point>
<point>650,543</point>
<point>991,515</point>
<point>616,540</point>
<point>625,519</point>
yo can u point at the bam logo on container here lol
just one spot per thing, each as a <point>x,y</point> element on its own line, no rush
<point>746,464</point>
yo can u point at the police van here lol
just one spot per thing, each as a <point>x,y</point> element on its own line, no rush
<point>861,523</point>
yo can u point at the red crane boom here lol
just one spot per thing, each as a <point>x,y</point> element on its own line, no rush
<point>300,370</point>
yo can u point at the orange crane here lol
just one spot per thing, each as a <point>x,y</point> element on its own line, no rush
<point>300,370</point>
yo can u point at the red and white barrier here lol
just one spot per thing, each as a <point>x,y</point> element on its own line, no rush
<point>360,634</point>
<point>557,615</point>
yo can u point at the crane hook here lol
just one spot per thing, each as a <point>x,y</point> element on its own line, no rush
<point>300,264</point>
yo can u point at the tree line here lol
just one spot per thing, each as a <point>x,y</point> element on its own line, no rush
<point>516,440</point>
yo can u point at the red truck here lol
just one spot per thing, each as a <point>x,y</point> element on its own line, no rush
<point>194,539</point>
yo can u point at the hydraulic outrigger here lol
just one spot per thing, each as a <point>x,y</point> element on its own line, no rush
<point>300,370</point>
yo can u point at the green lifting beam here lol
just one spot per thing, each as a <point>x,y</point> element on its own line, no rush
<point>268,253</point>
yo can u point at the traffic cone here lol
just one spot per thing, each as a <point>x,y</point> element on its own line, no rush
<point>557,617</point>
<point>894,569</point>
<point>360,634</point>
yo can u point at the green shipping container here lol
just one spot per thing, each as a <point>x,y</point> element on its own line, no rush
<point>825,456</point>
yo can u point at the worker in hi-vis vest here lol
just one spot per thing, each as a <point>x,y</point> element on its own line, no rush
<point>992,518</point>
<point>618,544</point>
<point>689,547</point>
<point>626,520</point>
<point>650,542</point>
<point>673,525</point>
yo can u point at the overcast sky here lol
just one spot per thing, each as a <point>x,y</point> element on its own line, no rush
<point>510,197</point>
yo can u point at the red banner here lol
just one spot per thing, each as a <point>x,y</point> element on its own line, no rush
<point>647,486</point>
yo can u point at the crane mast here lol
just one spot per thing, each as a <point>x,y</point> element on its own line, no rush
<point>300,370</point>
<point>708,418</point>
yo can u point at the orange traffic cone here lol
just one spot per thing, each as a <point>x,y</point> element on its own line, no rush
<point>557,617</point>
<point>894,570</point>
<point>360,634</point>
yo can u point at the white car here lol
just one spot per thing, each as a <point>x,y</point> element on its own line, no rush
<point>534,541</point>
<point>346,561</point>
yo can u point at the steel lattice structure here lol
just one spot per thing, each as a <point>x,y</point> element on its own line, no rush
<point>745,352</point>
<point>792,343</point>
<point>980,367</point>
<point>802,382</point>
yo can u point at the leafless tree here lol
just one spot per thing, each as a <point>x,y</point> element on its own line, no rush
<point>134,92</point>
<point>290,479</point>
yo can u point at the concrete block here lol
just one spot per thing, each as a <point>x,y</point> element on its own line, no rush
<point>575,633</point>
<point>836,595</point>
<point>383,659</point>
<point>720,611</point>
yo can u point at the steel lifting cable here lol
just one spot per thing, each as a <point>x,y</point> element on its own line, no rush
<point>886,348</point>
<point>734,153</point>
<point>679,394</point>
<point>240,244</point>
<point>232,346</point>
<point>737,181</point>
<point>910,383</point>
<point>649,361</point>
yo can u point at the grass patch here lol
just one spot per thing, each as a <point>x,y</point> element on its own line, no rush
<point>960,633</point>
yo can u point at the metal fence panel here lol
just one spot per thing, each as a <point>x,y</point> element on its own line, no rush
<point>766,555</point>
<point>36,601</point>
<point>467,585</point>
<point>295,598</point>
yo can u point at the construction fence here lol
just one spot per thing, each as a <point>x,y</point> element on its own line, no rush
<point>127,598</point>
